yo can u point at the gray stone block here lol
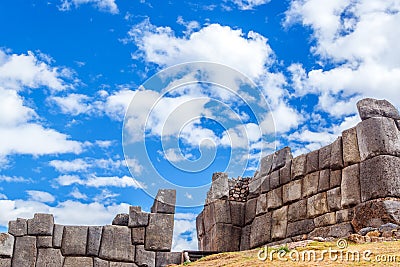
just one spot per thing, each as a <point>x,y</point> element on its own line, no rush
<point>297,211</point>
<point>265,187</point>
<point>74,240</point>
<point>245,238</point>
<point>41,224</point>
<point>255,186</point>
<point>222,211</point>
<point>379,177</point>
<point>122,264</point>
<point>285,173</point>
<point>18,227</point>
<point>351,153</point>
<point>261,230</point>
<point>274,180</point>
<point>261,206</point>
<point>44,241</point>
<point>251,206</point>
<point>94,239</point>
<point>300,227</point>
<point>164,202</point>
<point>163,259</point>
<point>24,251</point>
<point>350,186</point>
<point>325,219</point>
<point>78,261</point>
<point>138,235</point>
<point>323,183</point>
<point>137,218</point>
<point>49,257</point>
<point>144,257</point>
<point>317,205</point>
<point>299,166</point>
<point>310,184</point>
<point>225,237</point>
<point>208,217</point>
<point>369,108</point>
<point>341,230</point>
<point>6,245</point>
<point>279,223</point>
<point>116,244</point>
<point>337,154</point>
<point>57,235</point>
<point>312,161</point>
<point>237,213</point>
<point>266,165</point>
<point>320,232</point>
<point>219,187</point>
<point>100,263</point>
<point>5,262</point>
<point>291,191</point>
<point>199,224</point>
<point>334,198</point>
<point>121,219</point>
<point>274,198</point>
<point>335,179</point>
<point>280,158</point>
<point>378,136</point>
<point>154,240</point>
<point>325,157</point>
<point>344,215</point>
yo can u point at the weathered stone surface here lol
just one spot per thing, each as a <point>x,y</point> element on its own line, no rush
<point>299,166</point>
<point>225,237</point>
<point>320,232</point>
<point>261,204</point>
<point>41,224</point>
<point>274,198</point>
<point>312,161</point>
<point>199,224</point>
<point>274,180</point>
<point>325,157</point>
<point>335,178</point>
<point>237,213</point>
<point>337,154</point>
<point>74,240</point>
<point>260,230</point>
<point>145,258</point>
<point>378,136</point>
<point>350,186</point>
<point>280,158</point>
<point>137,218</point>
<point>138,235</point>
<point>297,210</point>
<point>222,211</point>
<point>369,108</point>
<point>285,174</point>
<point>334,198</point>
<point>325,219</point>
<point>323,183</point>
<point>57,235</point>
<point>341,230</point>
<point>300,227</point>
<point>6,245</point>
<point>154,240</point>
<point>317,205</point>
<point>351,153</point>
<point>344,215</point>
<point>366,230</point>
<point>379,177</point>
<point>78,261</point>
<point>121,219</point>
<point>208,217</point>
<point>122,264</point>
<point>251,206</point>
<point>291,191</point>
<point>164,259</point>
<point>44,241</point>
<point>5,262</point>
<point>18,227</point>
<point>245,238</point>
<point>49,257</point>
<point>219,187</point>
<point>255,186</point>
<point>374,213</point>
<point>387,227</point>
<point>279,223</point>
<point>100,263</point>
<point>24,251</point>
<point>266,165</point>
<point>94,239</point>
<point>265,187</point>
<point>116,243</point>
<point>165,201</point>
<point>310,184</point>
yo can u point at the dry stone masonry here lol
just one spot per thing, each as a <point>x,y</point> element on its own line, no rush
<point>350,185</point>
<point>134,239</point>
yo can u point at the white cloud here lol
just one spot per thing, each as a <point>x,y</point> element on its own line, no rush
<point>2,196</point>
<point>94,181</point>
<point>185,235</point>
<point>116,104</point>
<point>13,179</point>
<point>66,180</point>
<point>73,104</point>
<point>249,4</point>
<point>103,5</point>
<point>87,164</point>
<point>77,194</point>
<point>40,196</point>
<point>175,155</point>
<point>70,166</point>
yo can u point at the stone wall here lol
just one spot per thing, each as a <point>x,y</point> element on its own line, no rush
<point>331,192</point>
<point>134,239</point>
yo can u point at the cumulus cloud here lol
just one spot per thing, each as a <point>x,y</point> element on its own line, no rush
<point>94,181</point>
<point>40,196</point>
<point>89,164</point>
<point>103,5</point>
<point>185,235</point>
<point>249,4</point>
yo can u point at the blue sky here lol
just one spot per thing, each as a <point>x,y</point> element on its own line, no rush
<point>69,70</point>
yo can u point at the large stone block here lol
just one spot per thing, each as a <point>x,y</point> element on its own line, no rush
<point>323,183</point>
<point>158,223</point>
<point>310,184</point>
<point>299,166</point>
<point>344,215</point>
<point>6,245</point>
<point>325,157</point>
<point>200,223</point>
<point>222,211</point>
<point>375,213</point>
<point>116,243</point>
<point>208,217</point>
<point>18,227</point>
<point>121,219</point>
<point>337,154</point>
<point>57,235</point>
<point>274,198</point>
<point>94,239</point>
<point>261,230</point>
<point>255,186</point>
<point>251,206</point>
<point>144,257</point>
<point>122,264</point>
<point>265,187</point>
<point>274,180</point>
<point>335,178</point>
<point>279,223</point>
<point>291,191</point>
<point>44,241</point>
<point>237,213</point>
<point>163,259</point>
<point>280,158</point>
<point>261,204</point>
<point>350,186</point>
<point>325,219</point>
<point>285,173</point>
<point>334,199</point>
<point>320,232</point>
<point>312,161</point>
<point>219,187</point>
<point>378,136</point>
<point>300,227</point>
<point>317,205</point>
<point>137,218</point>
<point>380,177</point>
<point>225,237</point>
<point>100,263</point>
<point>138,235</point>
<point>351,153</point>
<point>41,224</point>
<point>297,210</point>
<point>49,257</point>
<point>266,165</point>
<point>5,262</point>
<point>341,230</point>
<point>74,240</point>
<point>78,261</point>
<point>24,251</point>
<point>245,238</point>
<point>165,201</point>
<point>369,108</point>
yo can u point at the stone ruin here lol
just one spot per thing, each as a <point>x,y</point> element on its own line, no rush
<point>134,239</point>
<point>350,185</point>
